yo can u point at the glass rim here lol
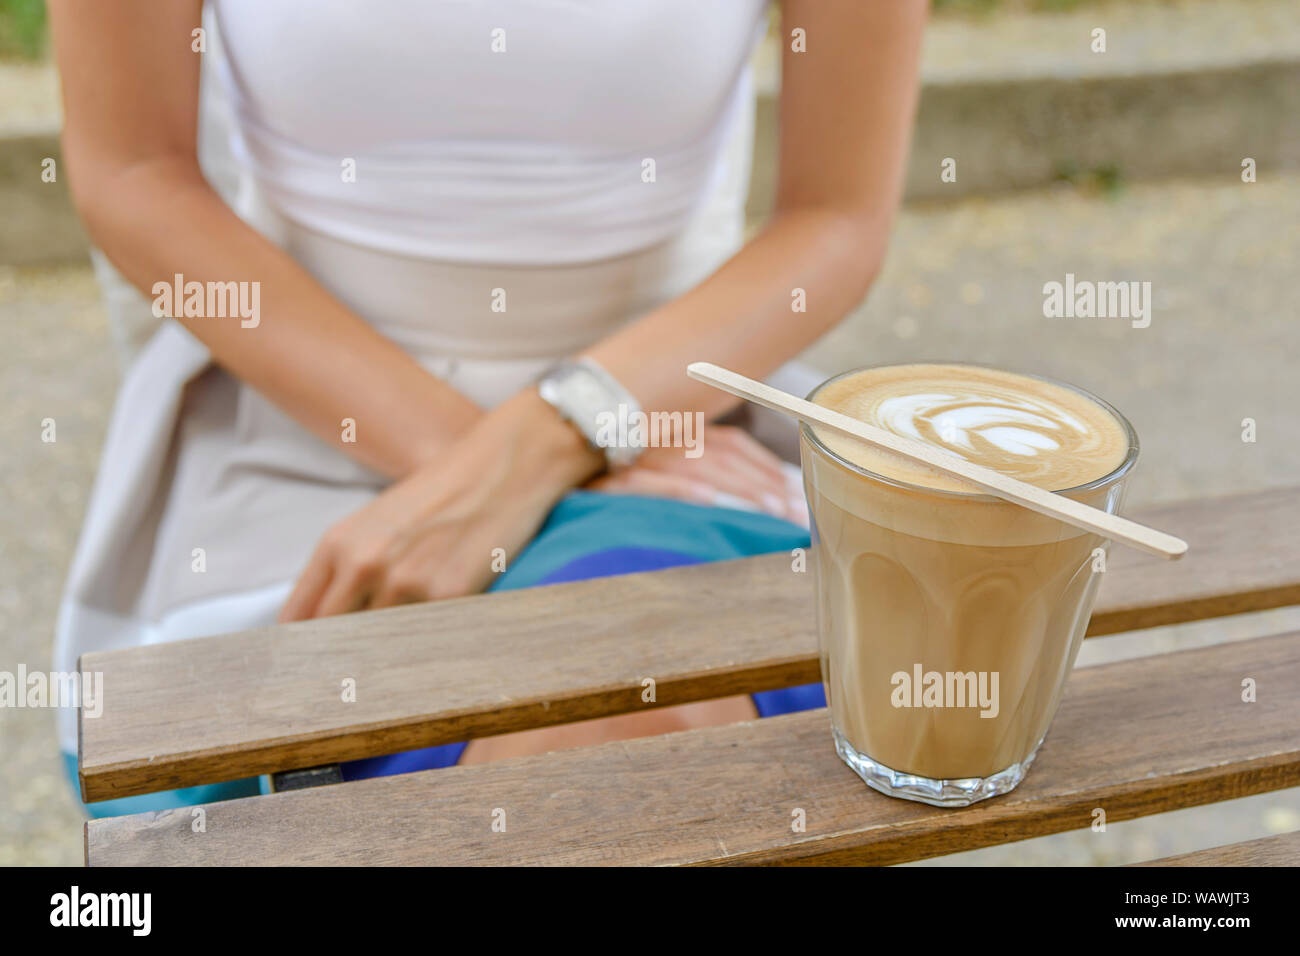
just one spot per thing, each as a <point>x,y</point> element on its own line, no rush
<point>1130,457</point>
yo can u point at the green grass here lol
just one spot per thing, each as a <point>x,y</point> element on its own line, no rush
<point>1106,180</point>
<point>23,30</point>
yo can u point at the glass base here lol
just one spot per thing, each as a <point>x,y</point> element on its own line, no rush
<point>959,792</point>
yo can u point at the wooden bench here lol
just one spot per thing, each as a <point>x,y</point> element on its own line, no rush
<point>1133,738</point>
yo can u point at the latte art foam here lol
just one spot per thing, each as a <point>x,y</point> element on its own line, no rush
<point>1036,431</point>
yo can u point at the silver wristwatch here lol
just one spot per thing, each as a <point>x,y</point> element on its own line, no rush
<point>596,404</point>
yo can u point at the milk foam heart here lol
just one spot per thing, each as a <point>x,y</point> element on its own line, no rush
<point>1037,431</point>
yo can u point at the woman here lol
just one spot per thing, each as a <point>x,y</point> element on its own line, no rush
<point>463,230</point>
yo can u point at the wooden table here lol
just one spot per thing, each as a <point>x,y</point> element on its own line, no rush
<point>1136,737</point>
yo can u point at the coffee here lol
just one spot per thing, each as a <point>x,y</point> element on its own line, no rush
<point>950,619</point>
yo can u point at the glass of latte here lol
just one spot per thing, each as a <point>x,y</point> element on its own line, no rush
<point>949,619</point>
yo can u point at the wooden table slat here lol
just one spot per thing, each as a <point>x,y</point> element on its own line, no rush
<point>272,699</point>
<point>1133,738</point>
<point>1281,850</point>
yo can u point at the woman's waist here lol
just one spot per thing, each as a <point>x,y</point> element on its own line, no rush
<point>438,309</point>
<point>471,310</point>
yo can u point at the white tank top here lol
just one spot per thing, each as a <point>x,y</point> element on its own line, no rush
<point>516,132</point>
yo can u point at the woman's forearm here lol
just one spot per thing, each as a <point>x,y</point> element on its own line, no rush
<point>790,284</point>
<point>305,351</point>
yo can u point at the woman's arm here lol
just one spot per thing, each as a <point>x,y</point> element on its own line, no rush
<point>130,91</point>
<point>847,105</point>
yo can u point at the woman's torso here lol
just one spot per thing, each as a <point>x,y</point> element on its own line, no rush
<point>524,132</point>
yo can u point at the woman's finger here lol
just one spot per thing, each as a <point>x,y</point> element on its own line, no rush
<point>786,477</point>
<point>795,495</point>
<point>744,472</point>
<point>402,585</point>
<point>667,484</point>
<point>657,484</point>
<point>747,448</point>
<point>307,591</point>
<point>734,475</point>
<point>349,589</point>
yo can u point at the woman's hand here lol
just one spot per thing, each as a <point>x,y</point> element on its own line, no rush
<point>733,470</point>
<point>433,534</point>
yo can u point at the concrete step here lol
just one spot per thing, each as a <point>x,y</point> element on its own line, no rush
<point>1017,98</point>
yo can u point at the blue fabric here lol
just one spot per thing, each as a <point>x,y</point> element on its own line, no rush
<point>586,536</point>
<point>585,525</point>
<point>590,535</point>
